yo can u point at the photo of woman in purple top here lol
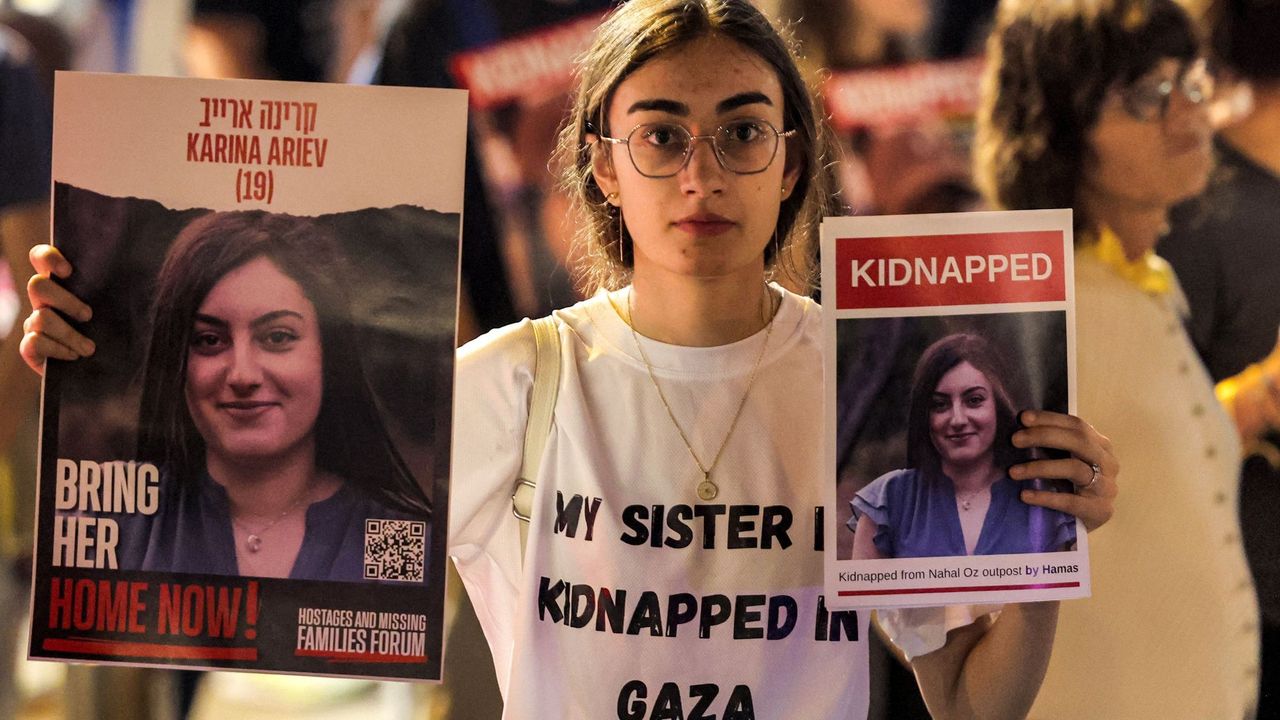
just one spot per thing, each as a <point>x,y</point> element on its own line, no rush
<point>256,408</point>
<point>956,497</point>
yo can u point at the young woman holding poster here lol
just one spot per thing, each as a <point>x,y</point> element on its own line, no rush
<point>670,566</point>
<point>1099,105</point>
<point>955,498</point>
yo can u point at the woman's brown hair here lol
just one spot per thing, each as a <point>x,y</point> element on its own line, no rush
<point>1049,68</point>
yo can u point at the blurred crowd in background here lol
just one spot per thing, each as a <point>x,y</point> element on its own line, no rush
<point>901,80</point>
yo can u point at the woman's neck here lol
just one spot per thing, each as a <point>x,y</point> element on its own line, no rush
<point>698,312</point>
<point>1138,226</point>
<point>972,477</point>
<point>269,487</point>
<point>1257,136</point>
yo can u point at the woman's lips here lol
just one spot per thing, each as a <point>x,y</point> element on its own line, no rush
<point>246,410</point>
<point>705,225</point>
<point>960,437</point>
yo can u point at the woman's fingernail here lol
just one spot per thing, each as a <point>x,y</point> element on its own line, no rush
<point>89,347</point>
<point>1028,416</point>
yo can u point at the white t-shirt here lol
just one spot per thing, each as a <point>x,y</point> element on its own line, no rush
<point>635,598</point>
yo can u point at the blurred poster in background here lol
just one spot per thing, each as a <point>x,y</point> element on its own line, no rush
<point>516,57</point>
<point>907,131</point>
<point>519,90</point>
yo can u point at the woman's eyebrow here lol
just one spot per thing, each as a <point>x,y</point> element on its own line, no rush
<point>745,98</point>
<point>676,107</point>
<point>211,320</point>
<point>660,105</point>
<point>274,315</point>
<point>965,391</point>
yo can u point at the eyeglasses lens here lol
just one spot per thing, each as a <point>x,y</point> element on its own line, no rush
<point>662,149</point>
<point>1148,98</point>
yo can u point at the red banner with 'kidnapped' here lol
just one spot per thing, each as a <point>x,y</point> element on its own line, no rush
<point>947,270</point>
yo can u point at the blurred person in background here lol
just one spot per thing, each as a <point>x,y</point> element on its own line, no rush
<point>1100,106</point>
<point>846,34</point>
<point>959,27</point>
<point>1225,247</point>
<point>25,138</point>
<point>258,39</point>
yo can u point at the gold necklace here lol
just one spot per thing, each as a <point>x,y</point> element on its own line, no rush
<point>706,489</point>
<point>966,499</point>
<point>253,543</point>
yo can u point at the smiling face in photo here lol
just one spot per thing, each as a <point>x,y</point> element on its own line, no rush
<point>254,379</point>
<point>962,417</point>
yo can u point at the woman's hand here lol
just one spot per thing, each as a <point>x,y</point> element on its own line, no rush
<point>1092,468</point>
<point>46,334</point>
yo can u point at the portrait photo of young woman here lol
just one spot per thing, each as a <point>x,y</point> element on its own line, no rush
<point>954,496</point>
<point>269,396</point>
<point>256,407</point>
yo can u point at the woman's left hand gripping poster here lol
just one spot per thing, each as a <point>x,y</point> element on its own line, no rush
<point>941,331</point>
<point>251,471</point>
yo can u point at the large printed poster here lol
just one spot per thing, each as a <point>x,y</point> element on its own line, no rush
<point>941,329</point>
<point>251,471</point>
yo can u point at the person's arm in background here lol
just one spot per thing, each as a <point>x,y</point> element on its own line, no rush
<point>22,227</point>
<point>25,155</point>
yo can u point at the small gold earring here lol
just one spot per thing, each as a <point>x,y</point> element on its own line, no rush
<point>611,197</point>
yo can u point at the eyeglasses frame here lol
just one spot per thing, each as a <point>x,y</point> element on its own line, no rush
<point>1167,88</point>
<point>688,152</point>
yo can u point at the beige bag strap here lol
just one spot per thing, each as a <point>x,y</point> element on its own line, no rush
<point>542,405</point>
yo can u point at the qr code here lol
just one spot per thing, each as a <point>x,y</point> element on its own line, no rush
<point>394,550</point>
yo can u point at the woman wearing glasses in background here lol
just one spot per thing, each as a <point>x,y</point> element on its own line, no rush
<point>1099,105</point>
<point>670,569</point>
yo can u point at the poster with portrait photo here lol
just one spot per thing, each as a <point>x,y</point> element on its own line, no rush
<point>940,330</point>
<point>251,470</point>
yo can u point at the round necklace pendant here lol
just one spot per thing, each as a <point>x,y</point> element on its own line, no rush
<point>254,543</point>
<point>707,490</point>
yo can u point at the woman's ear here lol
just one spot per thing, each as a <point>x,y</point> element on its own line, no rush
<point>602,169</point>
<point>792,168</point>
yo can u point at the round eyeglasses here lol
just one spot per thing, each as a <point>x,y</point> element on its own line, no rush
<point>660,150</point>
<point>1148,98</point>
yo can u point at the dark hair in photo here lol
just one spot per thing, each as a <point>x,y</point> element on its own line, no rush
<point>632,35</point>
<point>937,360</point>
<point>1049,68</point>
<point>352,441</point>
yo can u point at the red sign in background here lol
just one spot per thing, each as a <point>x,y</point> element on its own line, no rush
<point>944,270</point>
